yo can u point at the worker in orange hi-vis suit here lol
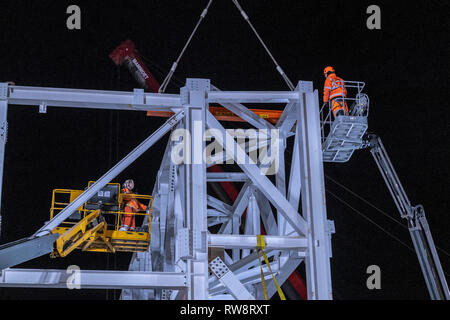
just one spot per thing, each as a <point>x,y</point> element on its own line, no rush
<point>334,91</point>
<point>131,205</point>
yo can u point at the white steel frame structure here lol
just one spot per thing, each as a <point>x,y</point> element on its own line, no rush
<point>176,265</point>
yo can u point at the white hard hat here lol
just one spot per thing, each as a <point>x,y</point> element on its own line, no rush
<point>129,184</point>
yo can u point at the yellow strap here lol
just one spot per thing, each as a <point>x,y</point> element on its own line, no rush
<point>280,292</point>
<point>263,281</point>
<point>261,244</point>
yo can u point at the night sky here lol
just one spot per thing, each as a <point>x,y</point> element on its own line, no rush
<point>404,65</point>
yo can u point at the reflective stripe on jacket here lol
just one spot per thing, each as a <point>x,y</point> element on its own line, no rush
<point>334,87</point>
<point>132,202</point>
<point>339,104</point>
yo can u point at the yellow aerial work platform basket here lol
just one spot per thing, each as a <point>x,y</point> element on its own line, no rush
<point>95,225</point>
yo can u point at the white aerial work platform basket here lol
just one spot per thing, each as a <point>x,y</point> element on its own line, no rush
<point>342,135</point>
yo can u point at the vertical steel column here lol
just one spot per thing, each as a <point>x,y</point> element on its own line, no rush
<point>293,192</point>
<point>3,137</point>
<point>196,201</point>
<point>239,206</point>
<point>252,220</point>
<point>280,180</point>
<point>313,193</point>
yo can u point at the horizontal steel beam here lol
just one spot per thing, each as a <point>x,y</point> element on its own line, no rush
<point>226,176</point>
<point>91,279</point>
<point>229,241</point>
<point>123,100</point>
<point>252,96</point>
<point>95,99</point>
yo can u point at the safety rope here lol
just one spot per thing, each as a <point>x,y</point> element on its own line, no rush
<point>260,245</point>
<point>277,66</point>
<point>366,201</point>
<point>166,81</point>
<point>374,223</point>
<point>376,208</point>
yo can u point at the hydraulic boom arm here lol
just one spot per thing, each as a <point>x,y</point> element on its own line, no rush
<point>417,223</point>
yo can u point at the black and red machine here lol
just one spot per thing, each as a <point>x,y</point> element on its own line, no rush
<point>126,54</point>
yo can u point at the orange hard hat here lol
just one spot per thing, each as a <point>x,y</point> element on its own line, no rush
<point>328,69</point>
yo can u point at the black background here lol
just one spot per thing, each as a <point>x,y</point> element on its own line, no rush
<point>405,67</point>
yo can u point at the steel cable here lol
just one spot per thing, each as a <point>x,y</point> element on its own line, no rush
<point>374,223</point>
<point>277,66</point>
<point>175,64</point>
<point>376,208</point>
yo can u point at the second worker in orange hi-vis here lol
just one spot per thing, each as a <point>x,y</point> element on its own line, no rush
<point>334,91</point>
<point>131,205</point>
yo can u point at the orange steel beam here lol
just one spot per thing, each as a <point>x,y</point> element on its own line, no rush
<point>224,114</point>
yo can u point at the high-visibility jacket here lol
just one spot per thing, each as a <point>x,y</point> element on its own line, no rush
<point>334,87</point>
<point>131,203</point>
<point>337,105</point>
